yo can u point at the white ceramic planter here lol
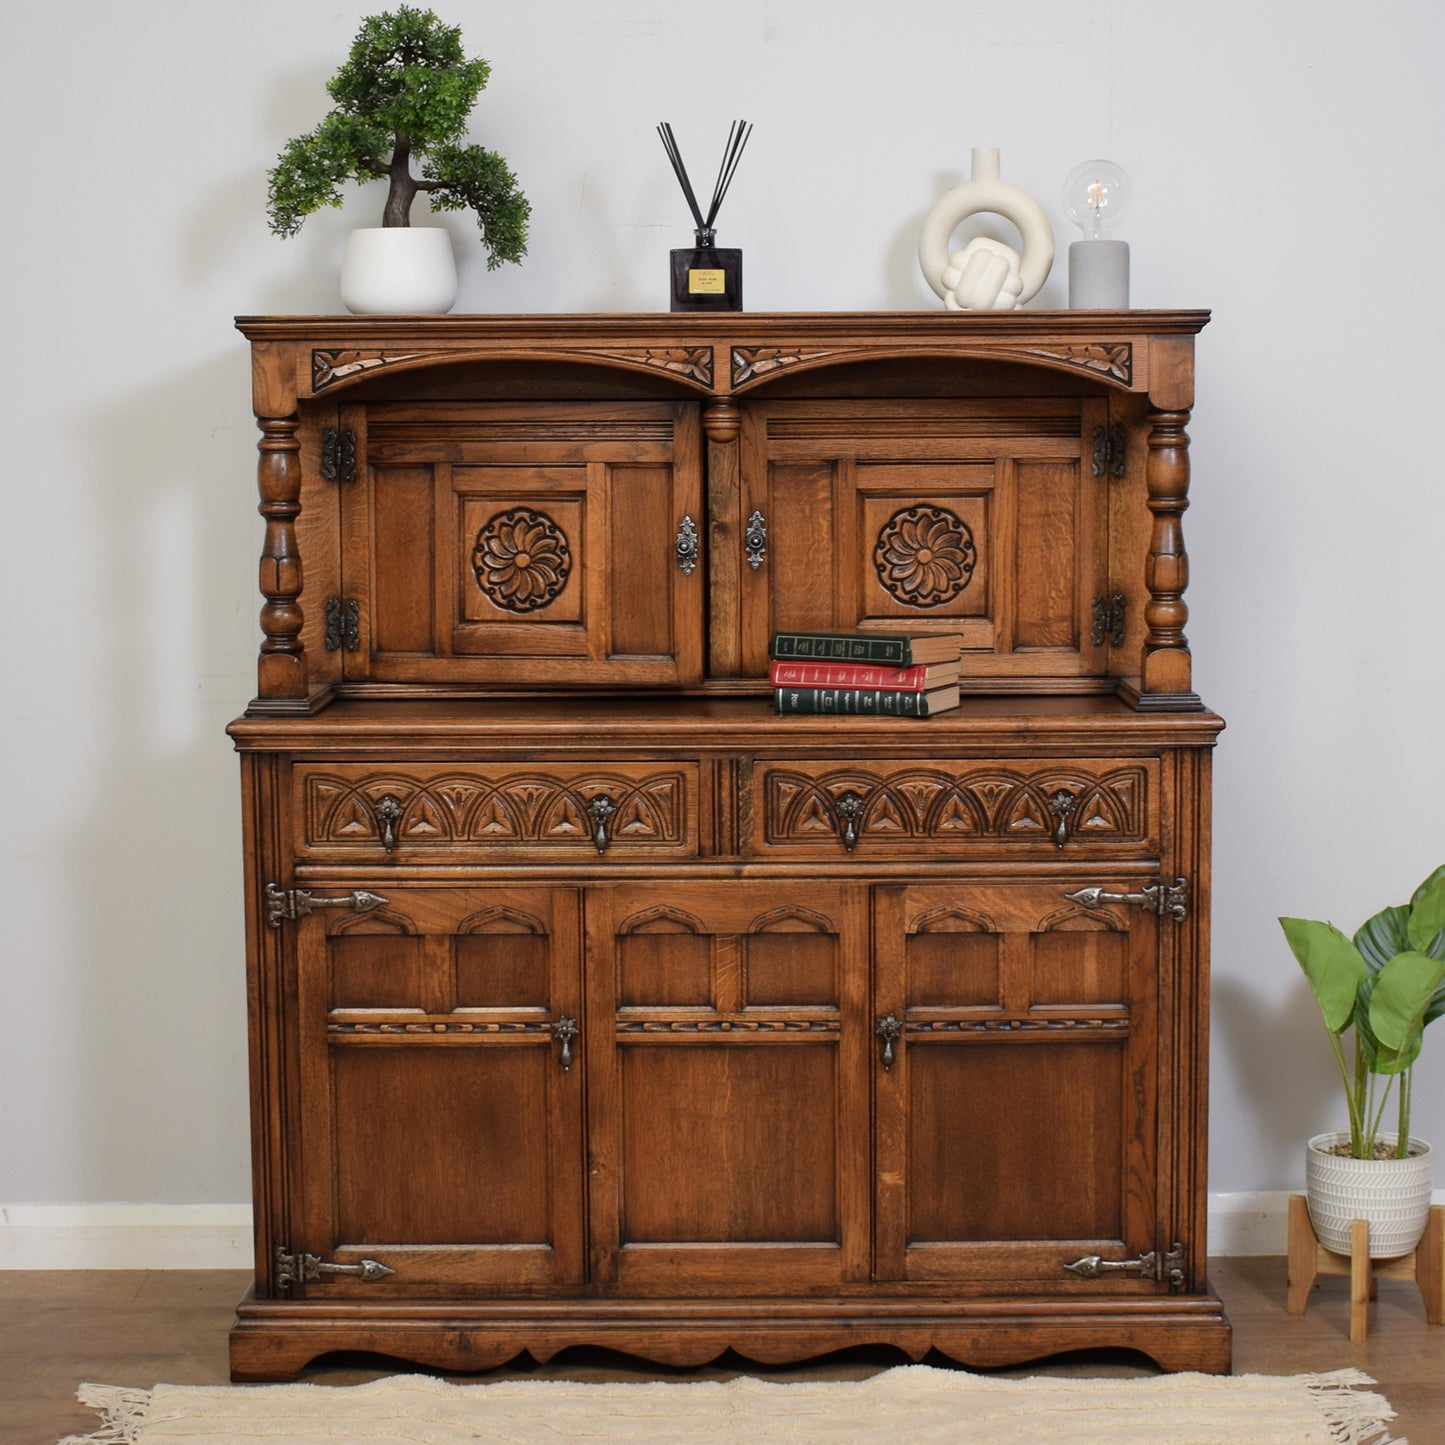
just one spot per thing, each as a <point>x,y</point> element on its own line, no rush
<point>396,270</point>
<point>1392,1195</point>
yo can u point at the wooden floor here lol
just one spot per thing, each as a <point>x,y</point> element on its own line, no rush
<point>139,1328</point>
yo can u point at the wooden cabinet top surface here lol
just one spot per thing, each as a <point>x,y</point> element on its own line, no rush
<point>530,724</point>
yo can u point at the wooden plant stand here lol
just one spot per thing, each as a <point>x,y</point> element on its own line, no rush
<point>1308,1259</point>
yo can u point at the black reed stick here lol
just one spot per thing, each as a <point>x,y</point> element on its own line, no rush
<point>738,134</point>
<point>669,144</point>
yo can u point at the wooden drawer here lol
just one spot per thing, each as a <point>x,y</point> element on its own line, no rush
<point>454,811</point>
<point>955,807</point>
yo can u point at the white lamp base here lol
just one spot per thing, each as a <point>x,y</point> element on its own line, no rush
<point>1099,275</point>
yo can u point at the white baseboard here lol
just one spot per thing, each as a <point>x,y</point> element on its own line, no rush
<point>125,1236</point>
<point>218,1236</point>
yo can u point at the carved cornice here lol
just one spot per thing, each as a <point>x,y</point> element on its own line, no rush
<point>751,362</point>
<point>432,1026</point>
<point>330,367</point>
<point>1116,362</point>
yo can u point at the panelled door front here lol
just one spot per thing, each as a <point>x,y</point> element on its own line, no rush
<point>525,543</point>
<point>439,1125</point>
<point>981,517</point>
<point>1017,1112</point>
<point>727,1063</point>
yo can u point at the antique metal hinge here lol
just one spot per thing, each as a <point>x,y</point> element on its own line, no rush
<point>309,1269</point>
<point>1109,450</point>
<point>1162,1268</point>
<point>1161,898</point>
<point>343,624</point>
<point>338,455</point>
<point>1109,620</point>
<point>293,903</point>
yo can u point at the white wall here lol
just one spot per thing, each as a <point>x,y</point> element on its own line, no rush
<point>1287,159</point>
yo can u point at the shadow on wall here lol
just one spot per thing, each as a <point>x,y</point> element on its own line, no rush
<point>1282,1071</point>
<point>156,863</point>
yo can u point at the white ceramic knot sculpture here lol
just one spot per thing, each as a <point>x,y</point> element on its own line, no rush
<point>986,275</point>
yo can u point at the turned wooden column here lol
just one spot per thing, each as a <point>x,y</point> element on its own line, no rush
<point>281,667</point>
<point>722,422</point>
<point>1166,670</point>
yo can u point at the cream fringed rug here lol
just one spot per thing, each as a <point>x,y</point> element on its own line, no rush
<point>912,1403</point>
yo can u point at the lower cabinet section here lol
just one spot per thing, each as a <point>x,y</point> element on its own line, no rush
<point>677,1115</point>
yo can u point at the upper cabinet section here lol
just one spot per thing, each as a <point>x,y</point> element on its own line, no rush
<point>640,501</point>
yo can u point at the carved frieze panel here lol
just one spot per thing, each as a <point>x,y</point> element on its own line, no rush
<point>989,804</point>
<point>510,809</point>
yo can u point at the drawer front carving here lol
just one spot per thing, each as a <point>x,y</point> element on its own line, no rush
<point>958,807</point>
<point>563,811</point>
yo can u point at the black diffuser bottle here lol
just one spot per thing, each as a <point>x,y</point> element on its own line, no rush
<point>707,277</point>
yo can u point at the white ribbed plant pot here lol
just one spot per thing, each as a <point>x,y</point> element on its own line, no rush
<point>1391,1195</point>
<point>395,270</point>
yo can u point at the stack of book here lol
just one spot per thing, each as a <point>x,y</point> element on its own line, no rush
<point>882,674</point>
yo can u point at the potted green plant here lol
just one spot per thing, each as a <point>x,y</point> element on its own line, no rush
<point>1386,985</point>
<point>403,96</point>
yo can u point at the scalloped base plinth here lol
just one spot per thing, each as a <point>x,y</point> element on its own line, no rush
<point>274,1339</point>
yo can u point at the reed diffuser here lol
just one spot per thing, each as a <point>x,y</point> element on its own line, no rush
<point>707,277</point>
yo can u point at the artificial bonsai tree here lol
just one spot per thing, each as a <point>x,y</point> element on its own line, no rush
<point>1388,983</point>
<point>404,94</point>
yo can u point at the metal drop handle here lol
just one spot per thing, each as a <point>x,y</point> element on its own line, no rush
<point>1061,804</point>
<point>600,810</point>
<point>848,810</point>
<point>388,814</point>
<point>889,1029</point>
<point>564,1031</point>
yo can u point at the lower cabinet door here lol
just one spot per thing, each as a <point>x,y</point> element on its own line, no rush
<point>727,1061</point>
<point>1017,1115</point>
<point>439,1124</point>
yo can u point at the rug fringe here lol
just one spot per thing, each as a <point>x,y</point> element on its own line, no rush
<point>1352,1416</point>
<point>122,1412</point>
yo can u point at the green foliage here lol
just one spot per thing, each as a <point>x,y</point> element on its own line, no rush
<point>1387,983</point>
<point>405,91</point>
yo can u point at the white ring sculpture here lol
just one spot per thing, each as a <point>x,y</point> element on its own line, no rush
<point>986,275</point>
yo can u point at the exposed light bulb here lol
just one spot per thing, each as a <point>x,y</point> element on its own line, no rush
<point>1096,198</point>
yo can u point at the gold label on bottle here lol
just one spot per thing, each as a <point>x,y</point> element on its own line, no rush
<point>706,283</point>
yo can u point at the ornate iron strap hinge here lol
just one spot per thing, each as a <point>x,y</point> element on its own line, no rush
<point>338,455</point>
<point>293,903</point>
<point>309,1269</point>
<point>1109,450</point>
<point>1171,899</point>
<point>343,624</point>
<point>1162,1268</point>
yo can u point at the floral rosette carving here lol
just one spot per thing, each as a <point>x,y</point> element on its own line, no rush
<point>925,556</point>
<point>521,560</point>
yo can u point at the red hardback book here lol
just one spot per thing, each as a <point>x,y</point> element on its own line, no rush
<point>919,678</point>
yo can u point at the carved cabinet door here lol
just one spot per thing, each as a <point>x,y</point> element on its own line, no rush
<point>1018,1116</point>
<point>982,516</point>
<point>438,1129</point>
<point>727,1064</point>
<point>525,542</point>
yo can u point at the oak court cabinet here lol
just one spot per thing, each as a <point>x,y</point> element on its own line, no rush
<point>592,1002</point>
